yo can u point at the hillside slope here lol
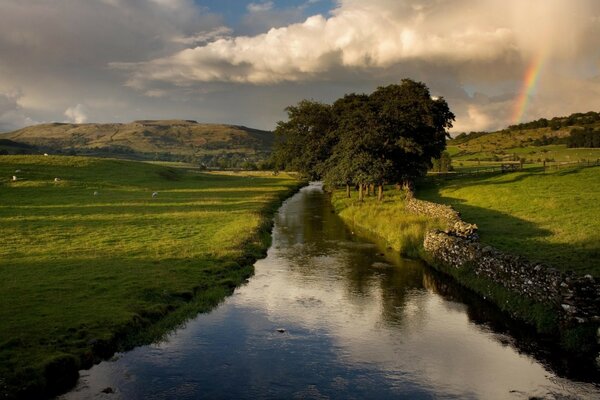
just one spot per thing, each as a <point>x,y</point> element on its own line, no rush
<point>532,142</point>
<point>164,139</point>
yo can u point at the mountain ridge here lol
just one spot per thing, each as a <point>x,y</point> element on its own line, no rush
<point>181,140</point>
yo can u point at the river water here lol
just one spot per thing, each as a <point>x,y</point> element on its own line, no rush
<point>356,322</point>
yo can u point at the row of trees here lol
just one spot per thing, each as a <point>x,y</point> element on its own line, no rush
<point>584,137</point>
<point>389,136</point>
<point>556,123</point>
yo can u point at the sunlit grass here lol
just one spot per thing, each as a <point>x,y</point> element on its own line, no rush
<point>388,219</point>
<point>78,267</point>
<point>551,217</point>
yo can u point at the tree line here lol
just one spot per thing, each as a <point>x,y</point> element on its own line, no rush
<point>584,137</point>
<point>556,123</point>
<point>365,141</point>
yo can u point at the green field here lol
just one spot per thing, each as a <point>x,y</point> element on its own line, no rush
<point>530,154</point>
<point>82,274</point>
<point>551,217</point>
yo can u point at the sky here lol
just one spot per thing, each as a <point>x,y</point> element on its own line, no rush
<point>496,62</point>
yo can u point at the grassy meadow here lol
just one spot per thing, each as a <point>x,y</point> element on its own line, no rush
<point>91,262</point>
<point>388,220</point>
<point>551,217</point>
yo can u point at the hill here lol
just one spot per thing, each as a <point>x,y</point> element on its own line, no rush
<point>532,142</point>
<point>172,140</point>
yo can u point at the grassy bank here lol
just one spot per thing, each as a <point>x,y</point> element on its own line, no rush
<point>546,217</point>
<point>387,219</point>
<point>92,262</point>
<point>550,217</point>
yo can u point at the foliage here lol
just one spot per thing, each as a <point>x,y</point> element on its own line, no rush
<point>389,136</point>
<point>556,123</point>
<point>586,137</point>
<point>443,163</point>
<point>304,141</point>
<point>82,273</point>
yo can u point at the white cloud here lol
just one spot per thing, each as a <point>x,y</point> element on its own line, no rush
<point>356,37</point>
<point>258,7</point>
<point>76,114</point>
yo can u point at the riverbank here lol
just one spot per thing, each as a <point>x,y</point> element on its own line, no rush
<point>550,300</point>
<point>92,262</point>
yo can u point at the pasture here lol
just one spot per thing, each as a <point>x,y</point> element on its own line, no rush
<point>551,217</point>
<point>91,262</point>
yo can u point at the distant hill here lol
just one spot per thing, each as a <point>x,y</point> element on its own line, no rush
<point>180,140</point>
<point>535,141</point>
<point>540,132</point>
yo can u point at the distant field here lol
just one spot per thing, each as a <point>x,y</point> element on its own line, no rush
<point>81,271</point>
<point>532,154</point>
<point>551,217</point>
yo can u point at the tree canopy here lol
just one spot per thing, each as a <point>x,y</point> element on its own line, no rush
<point>389,136</point>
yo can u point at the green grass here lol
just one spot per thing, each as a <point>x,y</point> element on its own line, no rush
<point>387,219</point>
<point>551,217</point>
<point>82,274</point>
<point>532,154</point>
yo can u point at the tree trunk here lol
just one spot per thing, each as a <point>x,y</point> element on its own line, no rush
<point>408,188</point>
<point>348,190</point>
<point>360,192</point>
<point>380,192</point>
<point>372,189</point>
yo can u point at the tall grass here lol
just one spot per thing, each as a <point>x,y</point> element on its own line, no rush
<point>388,220</point>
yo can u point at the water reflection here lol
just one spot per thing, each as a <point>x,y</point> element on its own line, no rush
<point>359,323</point>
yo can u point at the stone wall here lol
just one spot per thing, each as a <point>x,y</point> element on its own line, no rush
<point>454,224</point>
<point>576,298</point>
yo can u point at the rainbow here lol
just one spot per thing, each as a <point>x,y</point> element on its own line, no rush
<point>530,80</point>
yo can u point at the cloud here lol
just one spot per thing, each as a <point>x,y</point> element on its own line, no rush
<point>136,59</point>
<point>458,45</point>
<point>12,115</point>
<point>357,36</point>
<point>76,114</point>
<point>258,7</point>
<point>57,53</point>
<point>203,37</point>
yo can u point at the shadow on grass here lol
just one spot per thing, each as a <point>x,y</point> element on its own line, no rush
<point>62,315</point>
<point>518,236</point>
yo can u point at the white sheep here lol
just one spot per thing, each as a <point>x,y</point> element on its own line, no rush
<point>45,154</point>
<point>14,178</point>
<point>154,194</point>
<point>56,179</point>
<point>96,193</point>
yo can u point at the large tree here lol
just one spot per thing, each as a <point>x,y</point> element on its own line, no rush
<point>390,136</point>
<point>412,127</point>
<point>305,140</point>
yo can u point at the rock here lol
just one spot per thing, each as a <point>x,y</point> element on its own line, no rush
<point>280,330</point>
<point>108,390</point>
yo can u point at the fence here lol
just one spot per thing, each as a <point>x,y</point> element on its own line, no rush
<point>511,167</point>
<point>570,164</point>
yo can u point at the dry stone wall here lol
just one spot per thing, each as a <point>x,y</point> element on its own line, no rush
<point>576,298</point>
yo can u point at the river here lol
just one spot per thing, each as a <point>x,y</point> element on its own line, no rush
<point>331,315</point>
